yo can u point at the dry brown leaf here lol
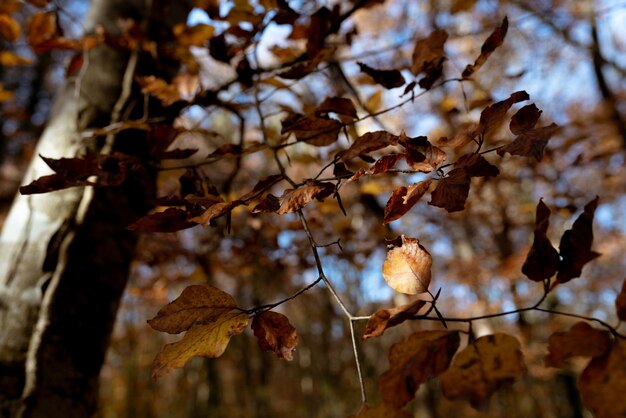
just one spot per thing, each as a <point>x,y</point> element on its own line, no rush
<point>388,318</point>
<point>196,35</point>
<point>197,304</point>
<point>42,27</point>
<point>482,367</point>
<point>159,88</point>
<point>491,43</point>
<point>407,268</point>
<point>543,259</point>
<point>581,340</point>
<point>403,199</point>
<point>602,384</point>
<point>531,143</point>
<point>366,143</point>
<point>423,355</point>
<point>207,339</point>
<point>525,119</point>
<point>275,333</point>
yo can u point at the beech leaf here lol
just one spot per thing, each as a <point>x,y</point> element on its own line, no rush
<point>482,367</point>
<point>493,116</point>
<point>491,43</point>
<point>543,259</point>
<point>382,410</point>
<point>407,268</point>
<point>451,191</point>
<point>531,143</point>
<point>388,318</point>
<point>403,199</point>
<point>170,220</point>
<point>525,119</point>
<point>368,142</point>
<point>339,105</point>
<point>602,384</point>
<point>203,339</point>
<point>581,340</point>
<point>275,333</point>
<point>423,355</point>
<point>389,79</point>
<point>575,246</point>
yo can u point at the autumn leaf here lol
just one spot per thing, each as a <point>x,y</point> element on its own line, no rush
<point>493,116</point>
<point>407,268</point>
<point>403,199</point>
<point>339,105</point>
<point>170,220</point>
<point>482,367</point>
<point>275,333</point>
<point>491,43</point>
<point>389,79</point>
<point>203,339</point>
<point>159,88</point>
<point>214,211</point>
<point>581,340</point>
<point>543,259</point>
<point>196,35</point>
<point>603,383</point>
<point>620,303</point>
<point>451,192</point>
<point>422,356</point>
<point>428,57</point>
<point>314,130</point>
<point>421,155</point>
<point>42,27</point>
<point>368,142</point>
<point>382,410</point>
<point>210,317</point>
<point>9,28</point>
<point>525,119</point>
<point>11,59</point>
<point>575,246</point>
<point>386,163</point>
<point>383,319</point>
<point>531,143</point>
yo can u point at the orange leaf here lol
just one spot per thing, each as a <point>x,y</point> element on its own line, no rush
<point>603,383</point>
<point>423,355</point>
<point>196,35</point>
<point>483,367</point>
<point>275,333</point>
<point>581,340</point>
<point>159,88</point>
<point>407,268</point>
<point>387,318</point>
<point>42,27</point>
<point>9,28</point>
<point>403,198</point>
<point>11,59</point>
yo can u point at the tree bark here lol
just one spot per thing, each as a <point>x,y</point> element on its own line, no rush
<point>65,255</point>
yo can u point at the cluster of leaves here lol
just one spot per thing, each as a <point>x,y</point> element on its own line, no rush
<point>210,317</point>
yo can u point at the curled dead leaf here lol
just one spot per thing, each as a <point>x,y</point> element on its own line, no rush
<point>275,333</point>
<point>407,268</point>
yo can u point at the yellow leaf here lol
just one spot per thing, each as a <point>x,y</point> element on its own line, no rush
<point>41,27</point>
<point>9,28</point>
<point>407,268</point>
<point>195,35</point>
<point>603,383</point>
<point>482,367</point>
<point>203,339</point>
<point>374,102</point>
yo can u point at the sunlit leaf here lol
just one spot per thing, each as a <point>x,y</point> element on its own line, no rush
<point>11,59</point>
<point>383,319</point>
<point>422,356</point>
<point>275,333</point>
<point>196,35</point>
<point>581,340</point>
<point>9,29</point>
<point>42,27</point>
<point>407,268</point>
<point>481,368</point>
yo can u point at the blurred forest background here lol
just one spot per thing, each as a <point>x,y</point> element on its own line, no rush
<point>570,56</point>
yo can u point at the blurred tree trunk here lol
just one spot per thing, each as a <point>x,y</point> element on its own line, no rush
<point>64,256</point>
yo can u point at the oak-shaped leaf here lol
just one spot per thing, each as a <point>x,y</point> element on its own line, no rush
<point>525,119</point>
<point>368,142</point>
<point>389,79</point>
<point>620,303</point>
<point>482,367</point>
<point>491,43</point>
<point>422,356</point>
<point>275,333</point>
<point>383,319</point>
<point>382,410</point>
<point>315,130</point>
<point>602,384</point>
<point>210,317</point>
<point>170,220</point>
<point>403,199</point>
<point>542,260</point>
<point>492,116</point>
<point>406,268</point>
<point>581,340</point>
<point>531,143</point>
<point>575,245</point>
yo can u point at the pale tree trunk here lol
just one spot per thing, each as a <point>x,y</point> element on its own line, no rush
<point>65,255</point>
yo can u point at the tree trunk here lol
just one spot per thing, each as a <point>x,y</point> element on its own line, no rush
<point>65,255</point>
